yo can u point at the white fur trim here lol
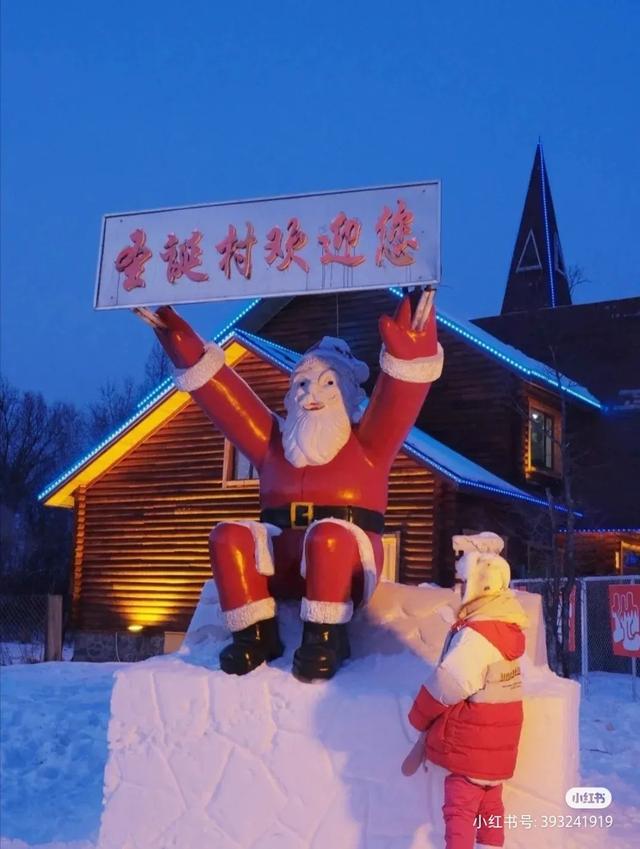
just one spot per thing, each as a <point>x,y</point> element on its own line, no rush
<point>262,533</point>
<point>365,550</point>
<point>326,612</point>
<point>418,370</point>
<point>210,363</point>
<point>241,617</point>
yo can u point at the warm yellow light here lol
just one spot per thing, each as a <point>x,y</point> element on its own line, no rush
<point>134,628</point>
<point>63,496</point>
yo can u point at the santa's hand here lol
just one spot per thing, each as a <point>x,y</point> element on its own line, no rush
<point>183,345</point>
<point>408,336</point>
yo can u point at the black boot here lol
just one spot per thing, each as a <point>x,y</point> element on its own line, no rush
<point>323,650</point>
<point>251,647</point>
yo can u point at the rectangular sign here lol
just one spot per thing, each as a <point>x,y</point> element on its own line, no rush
<point>303,244</point>
<point>624,611</point>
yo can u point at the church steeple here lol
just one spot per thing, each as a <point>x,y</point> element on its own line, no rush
<point>537,276</point>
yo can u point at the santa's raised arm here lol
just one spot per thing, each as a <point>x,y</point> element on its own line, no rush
<point>323,481</point>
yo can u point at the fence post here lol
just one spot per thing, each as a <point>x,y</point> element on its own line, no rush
<point>53,638</point>
<point>634,669</point>
<point>584,638</point>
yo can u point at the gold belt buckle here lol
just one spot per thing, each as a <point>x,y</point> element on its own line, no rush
<point>307,513</point>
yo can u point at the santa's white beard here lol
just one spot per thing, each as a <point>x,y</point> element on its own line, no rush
<point>314,437</point>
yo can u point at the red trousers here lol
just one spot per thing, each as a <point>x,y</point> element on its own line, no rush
<point>334,570</point>
<point>472,813</point>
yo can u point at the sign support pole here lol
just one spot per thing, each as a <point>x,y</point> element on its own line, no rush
<point>584,638</point>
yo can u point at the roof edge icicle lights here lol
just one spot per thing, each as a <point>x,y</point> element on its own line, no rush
<point>143,406</point>
<point>167,386</point>
<point>475,336</point>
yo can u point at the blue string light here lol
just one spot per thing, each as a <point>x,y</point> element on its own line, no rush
<point>496,352</point>
<point>262,350</point>
<point>244,335</point>
<point>168,381</point>
<point>604,531</point>
<point>234,321</point>
<point>509,493</point>
<point>142,407</point>
<point>161,389</point>
<point>98,448</point>
<point>546,227</point>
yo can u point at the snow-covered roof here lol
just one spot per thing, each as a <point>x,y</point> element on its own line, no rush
<point>516,360</point>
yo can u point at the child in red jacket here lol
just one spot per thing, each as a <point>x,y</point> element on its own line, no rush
<point>471,707</point>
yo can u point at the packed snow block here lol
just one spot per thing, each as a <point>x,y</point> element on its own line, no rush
<point>200,758</point>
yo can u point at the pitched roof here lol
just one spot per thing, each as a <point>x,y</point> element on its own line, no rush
<point>537,275</point>
<point>515,359</point>
<point>598,343</point>
<point>166,401</point>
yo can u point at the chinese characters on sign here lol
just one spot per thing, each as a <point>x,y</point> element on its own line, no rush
<point>131,260</point>
<point>353,239</point>
<point>393,231</point>
<point>182,258</point>
<point>296,240</point>
<point>346,235</point>
<point>238,250</point>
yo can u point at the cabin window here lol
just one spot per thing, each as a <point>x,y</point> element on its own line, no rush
<point>544,438</point>
<point>628,559</point>
<point>237,469</point>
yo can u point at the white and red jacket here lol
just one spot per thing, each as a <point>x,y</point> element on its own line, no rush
<point>471,706</point>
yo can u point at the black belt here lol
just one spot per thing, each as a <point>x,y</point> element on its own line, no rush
<point>300,514</point>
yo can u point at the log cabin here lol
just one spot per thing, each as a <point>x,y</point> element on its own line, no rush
<point>484,453</point>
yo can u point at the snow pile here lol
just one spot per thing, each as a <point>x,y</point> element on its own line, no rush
<point>199,758</point>
<point>54,750</point>
<point>610,750</point>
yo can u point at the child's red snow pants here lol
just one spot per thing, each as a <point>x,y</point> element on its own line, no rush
<point>472,812</point>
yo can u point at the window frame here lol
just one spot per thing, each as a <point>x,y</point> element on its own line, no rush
<point>553,413</point>
<point>228,470</point>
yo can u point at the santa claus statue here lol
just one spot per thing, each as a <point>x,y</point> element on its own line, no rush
<point>323,481</point>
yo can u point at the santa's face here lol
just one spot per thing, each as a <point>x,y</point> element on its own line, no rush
<point>316,388</point>
<point>317,424</point>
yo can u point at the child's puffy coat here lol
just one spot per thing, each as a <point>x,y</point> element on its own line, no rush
<point>471,706</point>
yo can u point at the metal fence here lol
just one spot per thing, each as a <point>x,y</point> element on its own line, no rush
<point>591,644</point>
<point>31,628</point>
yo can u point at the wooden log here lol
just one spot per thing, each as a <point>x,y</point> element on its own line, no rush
<point>53,637</point>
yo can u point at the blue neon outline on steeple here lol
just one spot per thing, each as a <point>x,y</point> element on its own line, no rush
<point>546,226</point>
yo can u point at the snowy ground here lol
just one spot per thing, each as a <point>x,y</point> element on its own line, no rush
<point>54,750</point>
<point>11,653</point>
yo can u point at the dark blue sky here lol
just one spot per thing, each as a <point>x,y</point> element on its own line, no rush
<point>137,105</point>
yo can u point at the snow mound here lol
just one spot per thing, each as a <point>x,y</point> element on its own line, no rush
<point>202,759</point>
